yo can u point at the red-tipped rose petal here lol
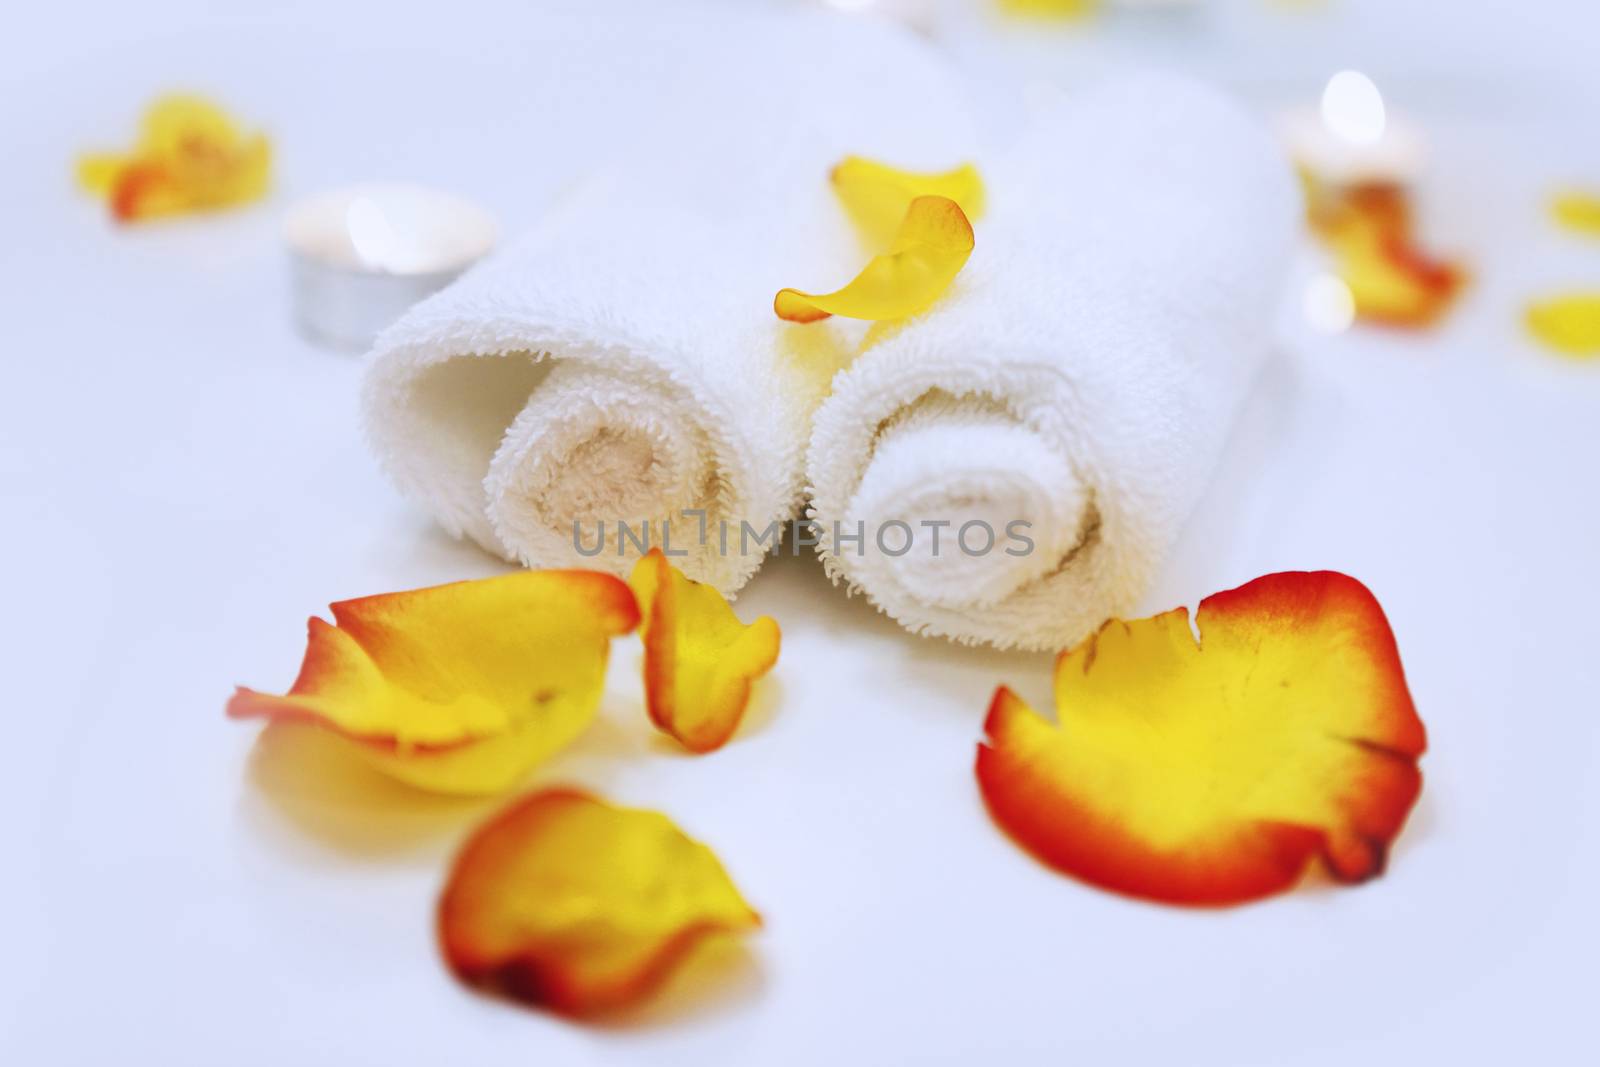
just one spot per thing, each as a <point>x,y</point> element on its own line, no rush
<point>1216,772</point>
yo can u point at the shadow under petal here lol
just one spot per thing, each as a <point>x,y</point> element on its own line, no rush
<point>315,782</point>
<point>766,695</point>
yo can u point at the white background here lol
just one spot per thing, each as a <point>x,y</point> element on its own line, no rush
<point>184,483</point>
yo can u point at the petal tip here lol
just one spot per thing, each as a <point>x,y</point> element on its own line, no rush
<point>791,305</point>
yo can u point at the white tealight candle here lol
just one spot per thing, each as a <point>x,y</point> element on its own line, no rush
<point>1352,138</point>
<point>361,256</point>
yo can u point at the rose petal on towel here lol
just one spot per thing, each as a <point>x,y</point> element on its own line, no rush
<point>1578,211</point>
<point>1369,230</point>
<point>699,659</point>
<point>1215,772</point>
<point>567,902</point>
<point>1568,324</point>
<point>877,195</point>
<point>929,250</point>
<point>458,688</point>
<point>190,157</point>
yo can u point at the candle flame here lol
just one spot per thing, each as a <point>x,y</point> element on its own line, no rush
<point>1352,108</point>
<point>371,234</point>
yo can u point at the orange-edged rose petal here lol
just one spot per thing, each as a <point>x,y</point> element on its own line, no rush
<point>929,250</point>
<point>1394,284</point>
<point>1216,772</point>
<point>1569,324</point>
<point>1578,211</point>
<point>567,902</point>
<point>458,688</point>
<point>877,195</point>
<point>1369,230</point>
<point>190,157</point>
<point>699,659</point>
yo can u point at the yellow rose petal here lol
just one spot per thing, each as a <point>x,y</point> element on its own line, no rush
<point>1216,771</point>
<point>1577,211</point>
<point>458,688</point>
<point>569,903</point>
<point>190,156</point>
<point>1369,230</point>
<point>699,659</point>
<point>877,196</point>
<point>1568,324</point>
<point>1050,9</point>
<point>932,245</point>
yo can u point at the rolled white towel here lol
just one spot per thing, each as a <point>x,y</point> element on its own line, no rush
<point>1072,391</point>
<point>622,363</point>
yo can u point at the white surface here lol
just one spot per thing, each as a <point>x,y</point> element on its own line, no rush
<point>184,484</point>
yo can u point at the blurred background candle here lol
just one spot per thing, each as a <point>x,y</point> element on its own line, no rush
<point>921,16</point>
<point>1351,138</point>
<point>361,256</point>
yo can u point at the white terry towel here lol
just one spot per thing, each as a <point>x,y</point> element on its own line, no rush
<point>622,363</point>
<point>1080,376</point>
